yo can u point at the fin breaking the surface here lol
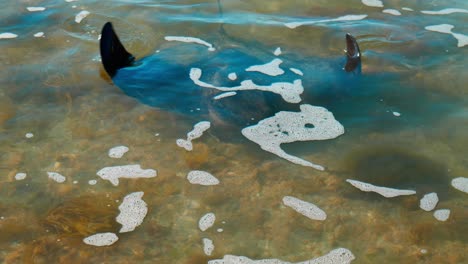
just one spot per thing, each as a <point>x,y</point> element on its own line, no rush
<point>353,54</point>
<point>113,54</point>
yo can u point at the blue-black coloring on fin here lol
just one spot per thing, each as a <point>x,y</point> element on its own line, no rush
<point>113,54</point>
<point>353,54</point>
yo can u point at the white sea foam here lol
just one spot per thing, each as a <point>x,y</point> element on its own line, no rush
<point>35,8</point>
<point>202,178</point>
<point>305,208</point>
<point>29,135</point>
<point>20,176</point>
<point>224,95</point>
<point>92,182</point>
<point>396,113</point>
<point>407,9</point>
<point>206,221</point>
<point>461,184</point>
<point>297,71</point>
<point>57,177</point>
<point>384,191</point>
<point>232,76</point>
<point>442,214</point>
<point>271,68</point>
<point>39,34</point>
<point>445,11</point>
<point>338,19</point>
<point>101,239</point>
<point>447,29</point>
<point>198,130</point>
<point>290,92</point>
<point>336,256</point>
<point>208,246</point>
<point>132,212</point>
<point>113,174</point>
<point>429,201</point>
<point>117,152</point>
<point>288,127</point>
<point>277,51</point>
<point>373,3</point>
<point>190,40</point>
<point>81,15</point>
<point>392,12</point>
<point>7,35</point>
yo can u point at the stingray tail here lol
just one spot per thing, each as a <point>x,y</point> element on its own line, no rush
<point>113,54</point>
<point>353,54</point>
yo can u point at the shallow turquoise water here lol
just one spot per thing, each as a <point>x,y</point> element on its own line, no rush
<point>55,87</point>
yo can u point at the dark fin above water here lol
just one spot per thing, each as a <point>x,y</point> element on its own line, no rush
<point>353,54</point>
<point>113,54</point>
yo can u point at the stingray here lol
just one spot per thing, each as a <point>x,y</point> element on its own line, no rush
<point>186,78</point>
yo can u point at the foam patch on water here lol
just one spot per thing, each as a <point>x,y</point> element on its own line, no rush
<point>202,178</point>
<point>407,9</point>
<point>392,12</point>
<point>384,191</point>
<point>132,212</point>
<point>336,256</point>
<point>297,71</point>
<point>81,15</point>
<point>20,176</point>
<point>396,114</point>
<point>224,95</point>
<point>198,130</point>
<point>29,135</point>
<point>429,201</point>
<point>338,19</point>
<point>113,174</point>
<point>190,40</point>
<point>101,239</point>
<point>39,34</point>
<point>56,177</point>
<point>208,246</point>
<point>35,8</point>
<point>271,68</point>
<point>118,152</point>
<point>442,214</point>
<point>373,3</point>
<point>445,11</point>
<point>206,221</point>
<point>277,51</point>
<point>307,209</point>
<point>92,182</point>
<point>447,29</point>
<point>290,92</point>
<point>232,76</point>
<point>7,35</point>
<point>461,184</point>
<point>312,123</point>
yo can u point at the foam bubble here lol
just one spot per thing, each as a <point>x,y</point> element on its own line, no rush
<point>92,182</point>
<point>35,8</point>
<point>407,9</point>
<point>396,113</point>
<point>445,11</point>
<point>208,246</point>
<point>206,221</point>
<point>429,201</point>
<point>202,178</point>
<point>198,130</point>
<point>336,256</point>
<point>7,35</point>
<point>442,214</point>
<point>338,19</point>
<point>81,15</point>
<point>190,40</point>
<point>461,184</point>
<point>113,174</point>
<point>117,152</point>
<point>39,34</point>
<point>56,177</point>
<point>101,239</point>
<point>307,209</point>
<point>288,127</point>
<point>132,212</point>
<point>232,76</point>
<point>297,71</point>
<point>392,12</point>
<point>224,95</point>
<point>373,3</point>
<point>29,135</point>
<point>384,191</point>
<point>277,51</point>
<point>271,68</point>
<point>20,176</point>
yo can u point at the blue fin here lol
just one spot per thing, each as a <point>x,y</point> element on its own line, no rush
<point>353,54</point>
<point>113,54</point>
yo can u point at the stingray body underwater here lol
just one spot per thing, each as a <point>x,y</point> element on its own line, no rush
<point>165,79</point>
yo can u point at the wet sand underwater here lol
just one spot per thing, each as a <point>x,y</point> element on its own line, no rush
<point>404,119</point>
